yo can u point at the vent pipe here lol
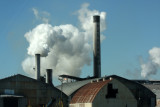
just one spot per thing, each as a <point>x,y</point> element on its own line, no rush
<point>49,76</point>
<point>37,66</point>
<point>96,47</point>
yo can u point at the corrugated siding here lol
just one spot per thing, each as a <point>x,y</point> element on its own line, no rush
<point>1,102</point>
<point>22,102</point>
<point>69,88</point>
<point>87,93</point>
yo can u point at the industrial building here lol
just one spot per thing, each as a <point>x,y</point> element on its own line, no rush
<point>154,86</point>
<point>156,89</point>
<point>111,91</point>
<point>22,91</point>
<point>96,91</point>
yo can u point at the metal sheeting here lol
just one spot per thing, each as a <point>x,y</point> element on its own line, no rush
<point>155,88</point>
<point>69,88</point>
<point>157,92</point>
<point>1,102</point>
<point>22,102</point>
<point>2,96</point>
<point>87,93</point>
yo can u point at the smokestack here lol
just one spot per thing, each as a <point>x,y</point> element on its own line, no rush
<point>96,47</point>
<point>49,76</point>
<point>37,66</point>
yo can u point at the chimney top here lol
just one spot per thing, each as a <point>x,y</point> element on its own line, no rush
<point>49,76</point>
<point>37,65</point>
<point>96,18</point>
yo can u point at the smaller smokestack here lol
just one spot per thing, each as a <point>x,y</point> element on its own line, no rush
<point>37,66</point>
<point>49,76</point>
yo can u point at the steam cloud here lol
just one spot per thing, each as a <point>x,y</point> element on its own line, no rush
<point>43,16</point>
<point>151,67</point>
<point>65,48</point>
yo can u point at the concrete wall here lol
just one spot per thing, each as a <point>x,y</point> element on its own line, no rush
<point>158,103</point>
<point>35,92</point>
<point>81,105</point>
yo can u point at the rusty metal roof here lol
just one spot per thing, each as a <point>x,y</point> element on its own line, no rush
<point>70,88</point>
<point>87,93</point>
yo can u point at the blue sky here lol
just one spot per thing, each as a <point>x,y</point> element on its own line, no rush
<point>132,30</point>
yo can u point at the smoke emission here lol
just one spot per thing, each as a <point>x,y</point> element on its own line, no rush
<point>42,16</point>
<point>152,65</point>
<point>65,48</point>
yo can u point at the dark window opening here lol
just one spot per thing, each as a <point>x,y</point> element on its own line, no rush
<point>111,93</point>
<point>10,102</point>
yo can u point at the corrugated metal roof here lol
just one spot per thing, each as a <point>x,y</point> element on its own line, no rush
<point>87,93</point>
<point>155,88</point>
<point>69,88</point>
<point>152,86</point>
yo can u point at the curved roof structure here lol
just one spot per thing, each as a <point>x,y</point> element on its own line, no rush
<point>69,88</point>
<point>87,93</point>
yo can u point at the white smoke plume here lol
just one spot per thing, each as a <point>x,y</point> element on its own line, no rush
<point>43,16</point>
<point>65,48</point>
<point>151,67</point>
<point>85,17</point>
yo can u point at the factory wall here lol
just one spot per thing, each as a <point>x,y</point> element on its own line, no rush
<point>158,103</point>
<point>123,97</point>
<point>1,102</point>
<point>155,88</point>
<point>118,92</point>
<point>81,105</point>
<point>29,91</point>
<point>144,96</point>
